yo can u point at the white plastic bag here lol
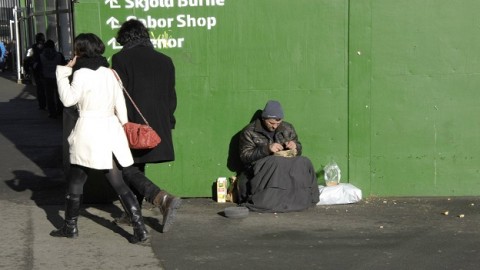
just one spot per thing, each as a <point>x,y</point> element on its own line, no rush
<point>342,193</point>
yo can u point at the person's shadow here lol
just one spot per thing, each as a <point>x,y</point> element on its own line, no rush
<point>44,192</point>
<point>234,164</point>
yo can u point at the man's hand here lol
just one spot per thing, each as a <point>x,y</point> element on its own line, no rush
<point>275,147</point>
<point>291,145</point>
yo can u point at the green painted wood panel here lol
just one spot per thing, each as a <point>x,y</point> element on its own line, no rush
<point>359,94</point>
<point>420,80</point>
<point>292,51</point>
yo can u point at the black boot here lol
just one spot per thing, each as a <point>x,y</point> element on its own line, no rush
<point>168,205</point>
<point>72,209</point>
<point>132,208</point>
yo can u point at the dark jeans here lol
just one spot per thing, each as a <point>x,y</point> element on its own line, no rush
<point>141,186</point>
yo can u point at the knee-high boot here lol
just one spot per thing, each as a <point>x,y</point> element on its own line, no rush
<point>72,210</point>
<point>132,208</point>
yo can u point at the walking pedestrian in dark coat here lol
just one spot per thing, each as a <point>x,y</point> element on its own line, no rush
<point>149,77</point>
<point>49,60</point>
<point>36,68</point>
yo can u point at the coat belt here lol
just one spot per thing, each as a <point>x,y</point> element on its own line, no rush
<point>96,113</point>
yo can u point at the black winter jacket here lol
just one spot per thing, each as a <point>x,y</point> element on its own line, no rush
<point>149,77</point>
<point>254,141</point>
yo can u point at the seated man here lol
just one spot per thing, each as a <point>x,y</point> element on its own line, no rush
<point>276,177</point>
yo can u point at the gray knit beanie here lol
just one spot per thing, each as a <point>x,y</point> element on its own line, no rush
<point>273,110</point>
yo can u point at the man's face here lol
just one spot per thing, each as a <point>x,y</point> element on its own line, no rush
<point>271,124</point>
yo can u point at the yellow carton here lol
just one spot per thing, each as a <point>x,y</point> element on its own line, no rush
<point>221,189</point>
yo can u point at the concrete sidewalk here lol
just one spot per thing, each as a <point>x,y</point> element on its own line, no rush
<point>377,233</point>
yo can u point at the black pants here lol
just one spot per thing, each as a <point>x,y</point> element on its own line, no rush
<point>41,97</point>
<point>77,176</point>
<point>54,104</point>
<point>135,177</point>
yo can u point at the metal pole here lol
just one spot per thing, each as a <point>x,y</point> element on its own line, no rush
<point>17,43</point>
<point>11,30</point>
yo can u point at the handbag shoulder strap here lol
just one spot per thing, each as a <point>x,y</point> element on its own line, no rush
<point>129,97</point>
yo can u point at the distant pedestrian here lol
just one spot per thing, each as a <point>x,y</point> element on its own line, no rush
<point>36,69</point>
<point>3,56</point>
<point>49,60</point>
<point>98,141</point>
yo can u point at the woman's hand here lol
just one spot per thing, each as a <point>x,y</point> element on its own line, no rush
<point>72,62</point>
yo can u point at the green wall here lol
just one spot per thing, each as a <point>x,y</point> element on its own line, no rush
<point>419,77</point>
<point>384,88</point>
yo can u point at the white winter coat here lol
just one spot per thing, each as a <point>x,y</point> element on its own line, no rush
<point>98,132</point>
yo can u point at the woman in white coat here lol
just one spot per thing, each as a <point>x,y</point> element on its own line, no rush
<point>97,141</point>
